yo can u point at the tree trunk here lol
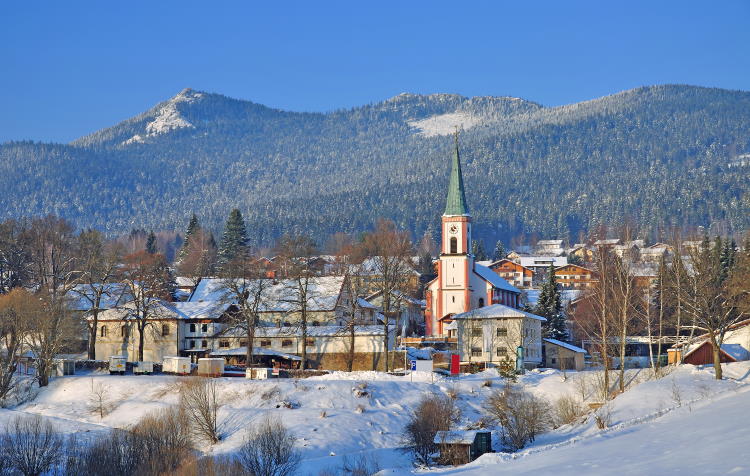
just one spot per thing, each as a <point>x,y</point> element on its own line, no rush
<point>141,339</point>
<point>350,360</point>
<point>717,357</point>
<point>249,360</point>
<point>92,337</point>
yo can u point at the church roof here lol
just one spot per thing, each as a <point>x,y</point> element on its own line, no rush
<point>456,201</point>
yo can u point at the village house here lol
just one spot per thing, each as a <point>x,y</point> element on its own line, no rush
<point>572,276</point>
<point>500,335</point>
<point>203,325</point>
<point>517,275</point>
<point>540,265</point>
<point>407,314</point>
<point>461,284</point>
<point>549,247</point>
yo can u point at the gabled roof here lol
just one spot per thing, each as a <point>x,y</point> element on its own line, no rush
<point>569,265</point>
<point>565,345</point>
<point>456,437</point>
<point>734,352</point>
<point>323,293</point>
<point>497,311</point>
<point>492,277</point>
<point>495,263</point>
<point>556,261</point>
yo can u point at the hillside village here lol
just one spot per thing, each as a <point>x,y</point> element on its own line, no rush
<point>613,314</point>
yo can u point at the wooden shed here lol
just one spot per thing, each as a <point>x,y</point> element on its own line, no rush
<point>461,447</point>
<point>702,354</point>
<point>563,356</point>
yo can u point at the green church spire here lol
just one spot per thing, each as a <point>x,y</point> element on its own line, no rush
<point>456,202</point>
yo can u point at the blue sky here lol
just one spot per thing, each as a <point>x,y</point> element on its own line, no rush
<point>70,68</point>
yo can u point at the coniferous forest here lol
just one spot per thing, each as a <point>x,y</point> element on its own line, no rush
<point>662,156</point>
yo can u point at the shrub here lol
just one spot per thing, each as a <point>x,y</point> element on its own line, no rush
<point>269,450</point>
<point>433,413</point>
<point>199,398</point>
<point>567,410</point>
<point>521,414</point>
<point>361,465</point>
<point>31,446</point>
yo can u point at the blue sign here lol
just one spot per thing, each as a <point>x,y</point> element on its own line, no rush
<point>414,365</point>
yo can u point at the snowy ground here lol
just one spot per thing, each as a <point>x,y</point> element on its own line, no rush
<point>683,423</point>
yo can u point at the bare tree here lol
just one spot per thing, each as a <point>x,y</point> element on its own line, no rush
<point>294,253</point>
<point>99,399</point>
<point>31,445</point>
<point>433,413</point>
<point>199,398</point>
<point>97,263</point>
<point>390,252</point>
<point>624,301</point>
<point>15,255</point>
<point>269,450</point>
<point>245,286</point>
<point>18,311</point>
<point>353,313</point>
<point>198,256</point>
<point>147,281</point>
<point>720,294</point>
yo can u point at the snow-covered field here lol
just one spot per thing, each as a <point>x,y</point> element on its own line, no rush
<point>684,423</point>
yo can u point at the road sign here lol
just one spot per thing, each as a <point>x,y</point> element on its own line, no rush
<point>413,365</point>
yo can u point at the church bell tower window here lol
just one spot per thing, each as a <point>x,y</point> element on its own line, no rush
<point>454,245</point>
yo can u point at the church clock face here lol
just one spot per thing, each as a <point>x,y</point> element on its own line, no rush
<point>453,229</point>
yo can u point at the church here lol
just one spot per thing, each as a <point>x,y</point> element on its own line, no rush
<point>461,284</point>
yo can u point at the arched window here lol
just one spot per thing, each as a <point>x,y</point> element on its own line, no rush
<point>124,331</point>
<point>481,302</point>
<point>103,331</point>
<point>454,245</point>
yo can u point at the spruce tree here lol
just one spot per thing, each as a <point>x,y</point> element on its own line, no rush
<point>151,244</point>
<point>549,306</point>
<point>192,227</point>
<point>234,238</point>
<point>499,252</point>
<point>477,249</point>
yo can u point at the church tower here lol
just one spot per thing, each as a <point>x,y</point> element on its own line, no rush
<point>456,260</point>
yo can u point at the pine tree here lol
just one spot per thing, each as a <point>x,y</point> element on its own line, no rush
<point>477,249</point>
<point>500,252</point>
<point>549,306</point>
<point>234,239</point>
<point>192,227</point>
<point>151,244</point>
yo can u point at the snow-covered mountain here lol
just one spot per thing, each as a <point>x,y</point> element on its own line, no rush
<point>661,155</point>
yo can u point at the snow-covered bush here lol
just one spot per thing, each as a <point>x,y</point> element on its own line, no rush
<point>199,398</point>
<point>567,410</point>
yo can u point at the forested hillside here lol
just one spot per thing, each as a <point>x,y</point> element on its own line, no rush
<point>661,155</point>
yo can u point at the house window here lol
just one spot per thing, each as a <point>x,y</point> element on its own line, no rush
<point>316,323</point>
<point>223,343</point>
<point>204,328</point>
<point>502,332</point>
<point>476,332</point>
<point>476,351</point>
<point>454,245</point>
<point>310,342</point>
<point>502,352</point>
<point>243,343</point>
<point>286,343</point>
<point>265,343</point>
<point>286,324</point>
<point>192,344</point>
<point>124,331</point>
<point>192,327</point>
<point>165,329</point>
<point>204,344</point>
<point>481,302</point>
<point>103,331</point>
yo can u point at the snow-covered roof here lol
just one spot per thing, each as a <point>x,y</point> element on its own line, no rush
<point>169,310</point>
<point>312,331</point>
<point>497,311</point>
<point>256,351</point>
<point>323,292</point>
<point>735,351</point>
<point>565,345</point>
<point>365,304</point>
<point>456,437</point>
<point>537,261</point>
<point>553,243</point>
<point>183,282</point>
<point>113,294</point>
<point>373,265</point>
<point>494,279</point>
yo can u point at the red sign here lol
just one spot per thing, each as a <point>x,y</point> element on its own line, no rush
<point>455,364</point>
